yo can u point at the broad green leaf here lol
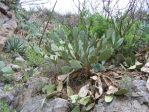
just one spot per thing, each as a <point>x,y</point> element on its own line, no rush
<point>66,69</point>
<point>85,100</point>
<point>74,98</point>
<point>90,106</point>
<point>108,99</point>
<point>49,89</point>
<point>120,41</point>
<point>7,70</point>
<point>2,64</point>
<point>113,37</point>
<point>75,32</point>
<point>122,92</point>
<point>76,109</point>
<point>105,54</point>
<point>75,64</point>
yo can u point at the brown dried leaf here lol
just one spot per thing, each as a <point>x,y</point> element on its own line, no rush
<point>69,91</point>
<point>62,77</point>
<point>98,85</point>
<point>97,95</point>
<point>145,68</point>
<point>112,90</point>
<point>94,77</point>
<point>84,91</point>
<point>60,86</point>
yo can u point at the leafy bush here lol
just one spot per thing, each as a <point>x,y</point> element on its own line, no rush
<point>5,72</point>
<point>15,45</point>
<point>78,49</point>
<point>98,24</point>
<point>34,56</point>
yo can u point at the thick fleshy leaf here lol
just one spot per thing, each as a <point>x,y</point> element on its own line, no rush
<point>121,92</point>
<point>2,64</point>
<point>120,41</point>
<point>85,100</point>
<point>75,64</point>
<point>66,69</point>
<point>84,91</point>
<point>76,109</point>
<point>7,70</point>
<point>108,99</point>
<point>74,98</point>
<point>49,89</point>
<point>90,106</point>
<point>113,37</point>
<point>105,54</point>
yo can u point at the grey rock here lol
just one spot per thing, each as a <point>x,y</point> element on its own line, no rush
<point>54,105</point>
<point>139,87</point>
<point>122,105</point>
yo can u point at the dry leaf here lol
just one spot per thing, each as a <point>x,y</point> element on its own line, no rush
<point>145,68</point>
<point>98,85</point>
<point>94,77</point>
<point>60,86</point>
<point>112,90</point>
<point>62,77</point>
<point>84,91</point>
<point>97,95</point>
<point>147,84</point>
<point>69,91</point>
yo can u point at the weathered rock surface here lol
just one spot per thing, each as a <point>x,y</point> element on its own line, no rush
<point>36,104</point>
<point>137,102</point>
<point>8,25</point>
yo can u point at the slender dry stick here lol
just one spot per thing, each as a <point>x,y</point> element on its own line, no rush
<point>44,30</point>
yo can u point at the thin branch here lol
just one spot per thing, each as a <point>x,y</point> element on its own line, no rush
<point>44,30</point>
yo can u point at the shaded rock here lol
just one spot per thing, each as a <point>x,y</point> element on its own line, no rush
<point>137,102</point>
<point>121,105</point>
<point>140,89</point>
<point>7,96</point>
<point>33,104</point>
<point>33,87</point>
<point>54,105</point>
<point>5,7</point>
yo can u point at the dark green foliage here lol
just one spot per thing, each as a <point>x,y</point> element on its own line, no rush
<point>98,24</point>
<point>15,45</point>
<point>34,56</point>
